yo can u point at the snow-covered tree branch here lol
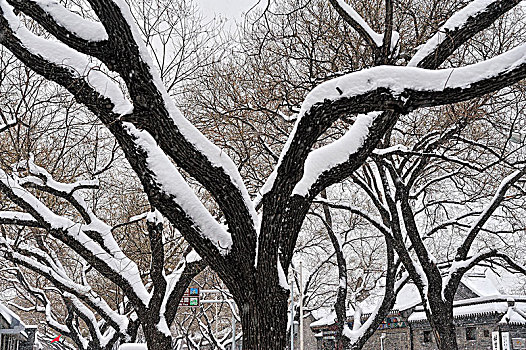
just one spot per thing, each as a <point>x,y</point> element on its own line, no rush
<point>248,239</point>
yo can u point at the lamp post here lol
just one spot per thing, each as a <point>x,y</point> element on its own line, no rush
<point>382,337</point>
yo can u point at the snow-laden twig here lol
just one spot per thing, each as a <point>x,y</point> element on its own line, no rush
<point>104,251</point>
<point>349,14</point>
<point>460,20</point>
<point>60,54</point>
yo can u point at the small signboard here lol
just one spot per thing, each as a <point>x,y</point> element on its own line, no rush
<point>495,341</point>
<point>519,343</point>
<point>506,341</point>
<point>191,297</point>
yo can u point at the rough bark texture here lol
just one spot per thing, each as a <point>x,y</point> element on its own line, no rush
<point>264,318</point>
<point>255,283</point>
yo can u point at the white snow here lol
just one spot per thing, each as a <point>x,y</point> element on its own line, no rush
<point>473,309</point>
<point>407,297</point>
<point>16,215</point>
<point>378,38</point>
<point>398,79</point>
<point>172,183</point>
<point>62,55</point>
<point>56,271</point>
<point>481,286</point>
<point>392,149</point>
<point>171,282</point>
<point>112,256</point>
<point>327,319</point>
<point>215,155</point>
<point>163,326</point>
<point>8,315</point>
<point>154,217</point>
<point>456,21</point>
<point>83,28</point>
<point>130,346</point>
<point>282,277</point>
<point>335,153</point>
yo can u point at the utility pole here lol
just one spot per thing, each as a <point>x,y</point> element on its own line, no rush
<point>292,313</point>
<point>301,306</point>
<point>230,303</point>
<point>233,329</point>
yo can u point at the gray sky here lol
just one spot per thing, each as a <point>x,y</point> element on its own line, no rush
<point>231,9</point>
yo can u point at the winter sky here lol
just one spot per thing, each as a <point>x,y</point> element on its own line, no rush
<point>231,9</point>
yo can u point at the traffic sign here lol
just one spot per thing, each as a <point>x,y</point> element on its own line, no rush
<point>191,297</point>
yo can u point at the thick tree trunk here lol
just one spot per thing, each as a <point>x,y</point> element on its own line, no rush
<point>156,339</point>
<point>445,333</point>
<point>443,323</point>
<point>264,322</point>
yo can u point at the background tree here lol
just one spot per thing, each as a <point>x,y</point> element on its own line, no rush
<point>250,252</point>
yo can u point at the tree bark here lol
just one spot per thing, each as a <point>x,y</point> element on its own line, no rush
<point>264,321</point>
<point>445,333</point>
<point>443,324</point>
<point>156,339</point>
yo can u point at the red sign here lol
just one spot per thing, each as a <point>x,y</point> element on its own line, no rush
<point>56,339</point>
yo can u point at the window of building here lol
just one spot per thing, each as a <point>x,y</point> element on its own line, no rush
<point>3,342</point>
<point>471,333</point>
<point>427,337</point>
<point>486,333</point>
<point>8,342</point>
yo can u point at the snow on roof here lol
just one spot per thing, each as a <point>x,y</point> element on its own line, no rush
<point>11,318</point>
<point>512,316</point>
<point>328,319</point>
<point>492,289</point>
<point>407,298</point>
<point>130,346</point>
<point>483,283</point>
<point>476,307</point>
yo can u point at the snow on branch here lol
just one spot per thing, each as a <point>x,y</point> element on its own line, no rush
<point>128,56</point>
<point>18,218</point>
<point>391,88</point>
<point>494,203</point>
<point>50,268</point>
<point>358,333</point>
<point>103,251</point>
<point>476,16</point>
<point>60,20</point>
<point>40,179</point>
<point>401,83</point>
<point>59,54</point>
<point>358,23</point>
<point>173,184</point>
<point>335,153</point>
<point>216,158</point>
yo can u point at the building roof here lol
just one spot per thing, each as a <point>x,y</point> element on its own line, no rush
<point>482,306</point>
<point>486,294</point>
<point>14,324</point>
<point>514,315</point>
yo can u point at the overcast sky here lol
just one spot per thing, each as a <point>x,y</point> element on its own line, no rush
<point>231,9</point>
